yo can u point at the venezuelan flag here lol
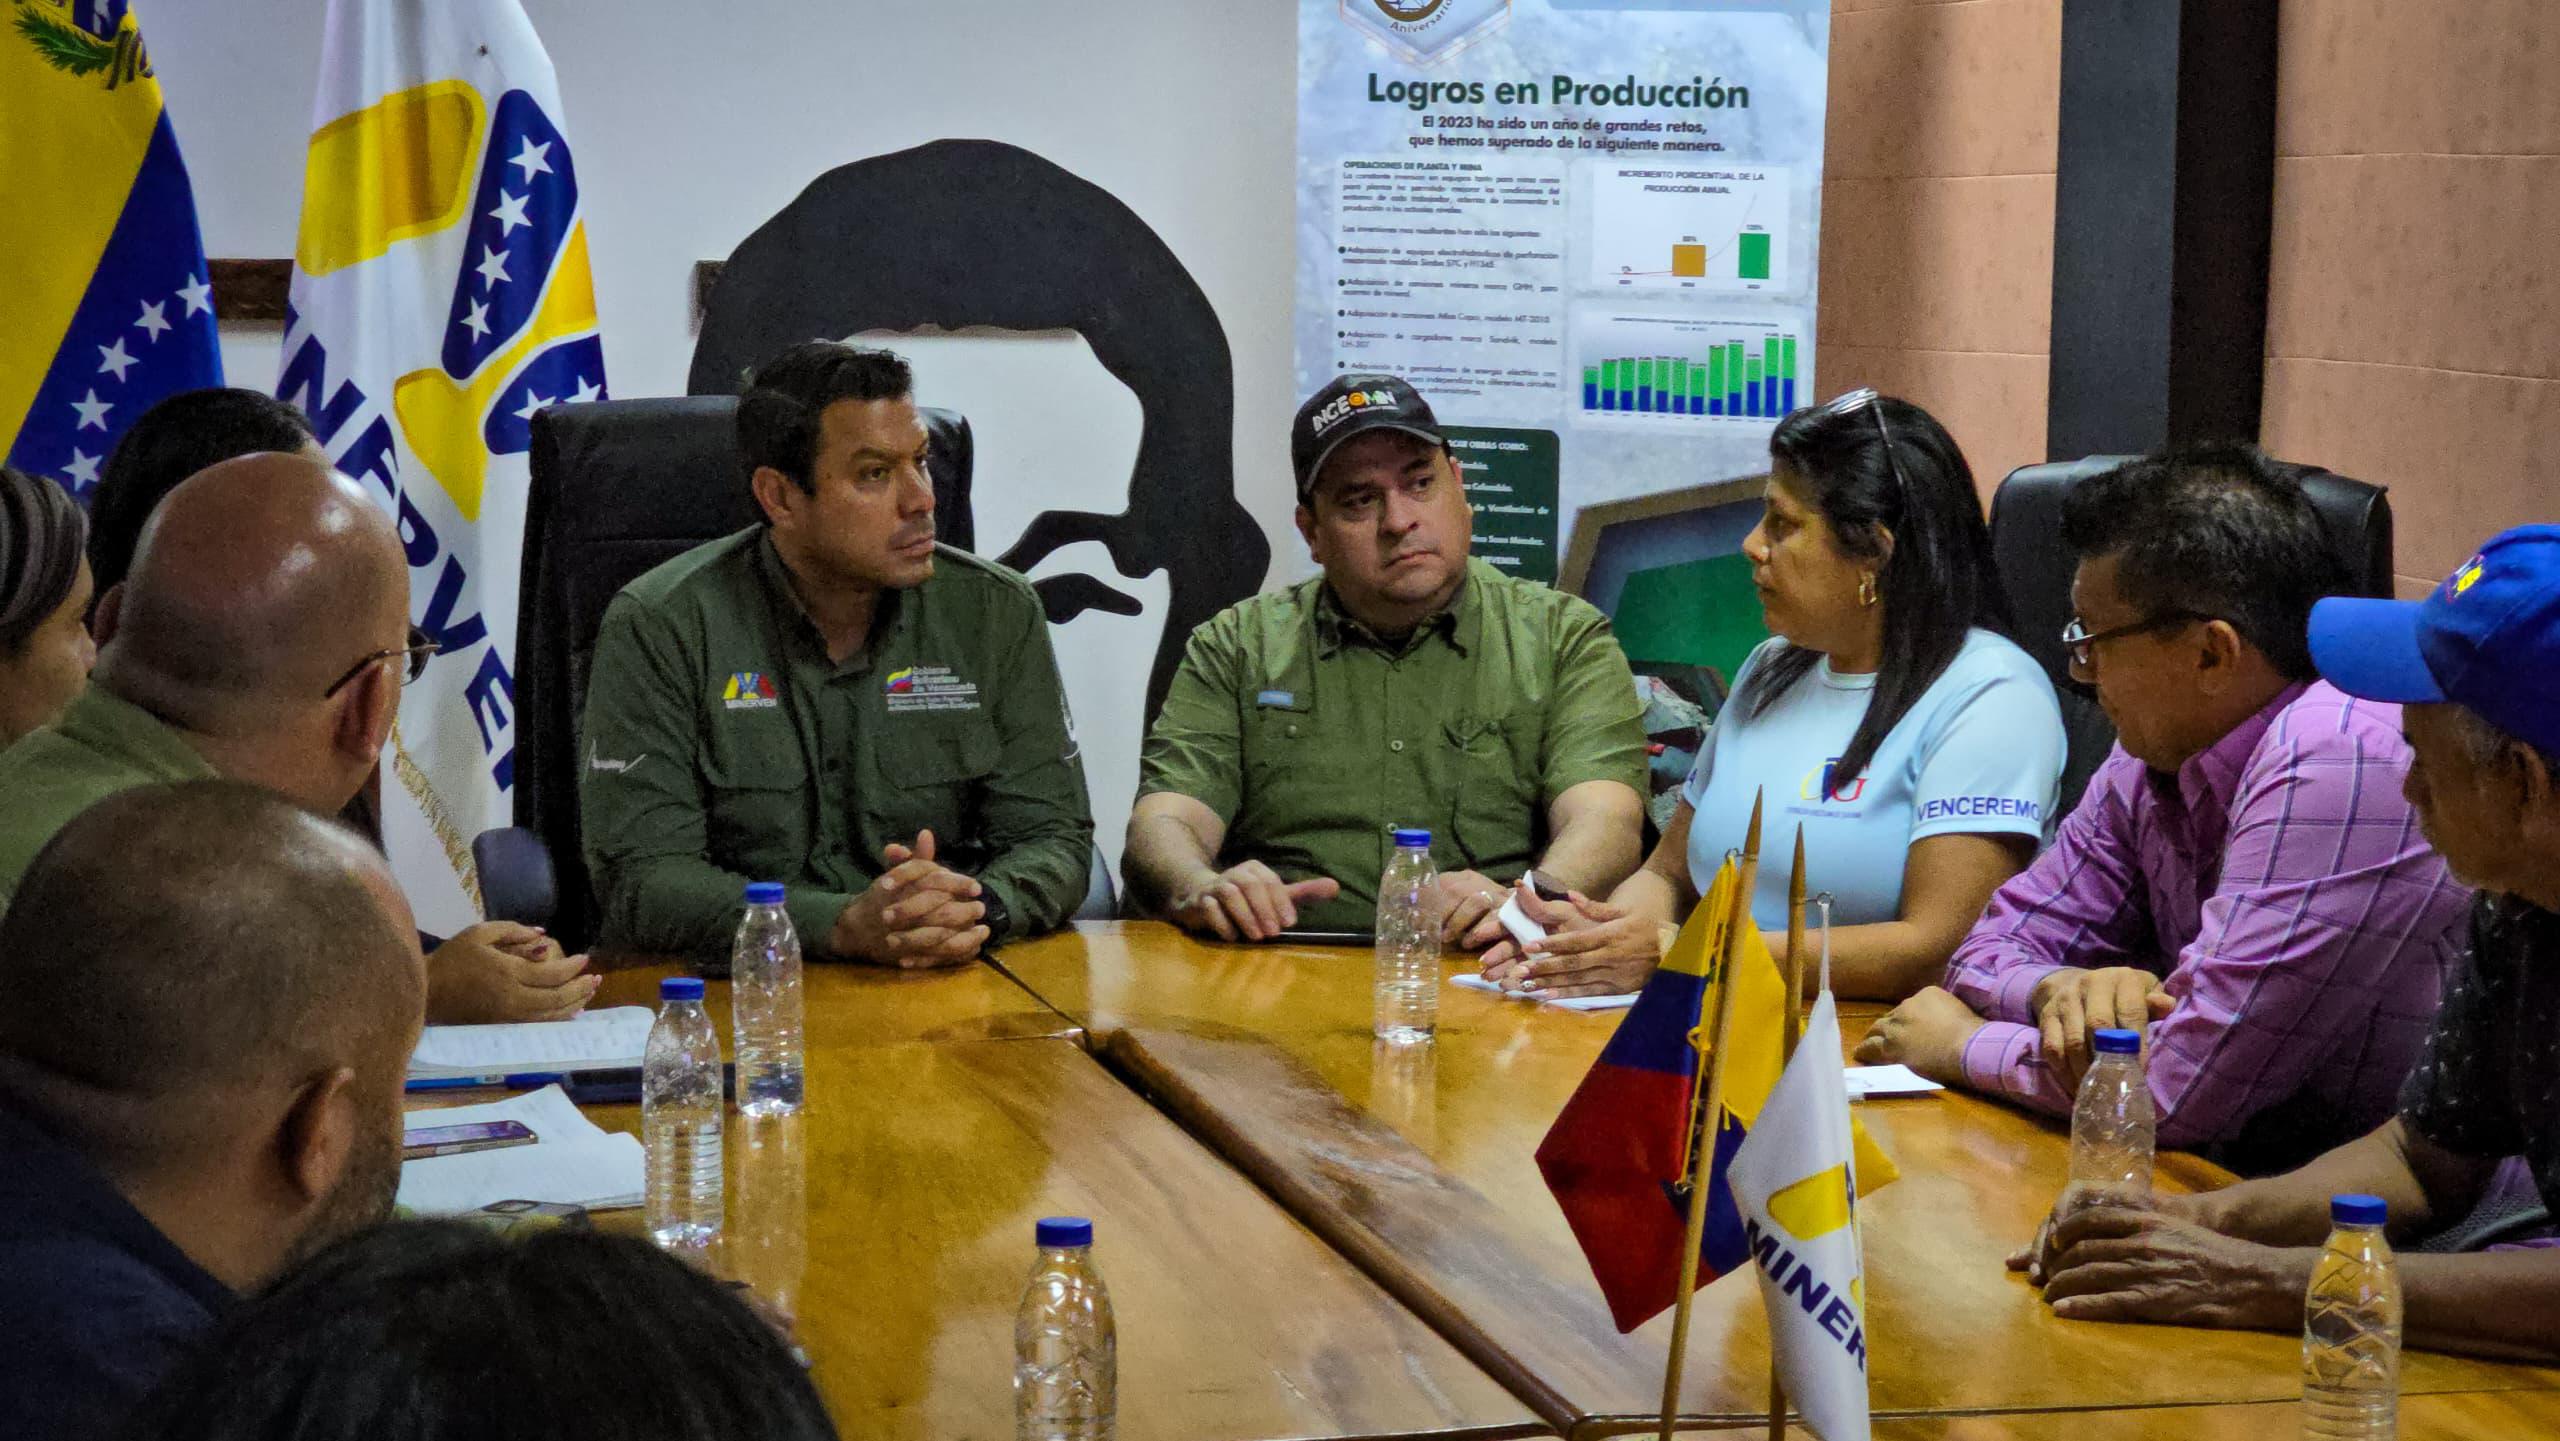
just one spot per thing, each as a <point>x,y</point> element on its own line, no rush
<point>1617,1152</point>
<point>110,305</point>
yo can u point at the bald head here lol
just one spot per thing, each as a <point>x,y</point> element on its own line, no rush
<point>176,953</point>
<point>257,583</point>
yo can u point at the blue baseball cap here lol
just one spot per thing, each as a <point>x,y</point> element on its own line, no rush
<point>2488,639</point>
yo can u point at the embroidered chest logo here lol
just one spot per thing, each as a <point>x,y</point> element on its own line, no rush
<point>928,687</point>
<point>750,690</point>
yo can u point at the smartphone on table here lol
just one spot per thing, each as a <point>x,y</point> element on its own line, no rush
<point>419,1142</point>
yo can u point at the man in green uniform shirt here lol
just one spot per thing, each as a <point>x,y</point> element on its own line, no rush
<point>833,701</point>
<point>262,636</point>
<point>1407,686</point>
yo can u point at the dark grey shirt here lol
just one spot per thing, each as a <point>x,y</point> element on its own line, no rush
<point>2488,1084</point>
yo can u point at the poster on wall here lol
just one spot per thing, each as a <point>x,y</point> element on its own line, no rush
<point>1585,230</point>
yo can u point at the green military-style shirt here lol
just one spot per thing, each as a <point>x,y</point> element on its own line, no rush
<point>101,745</point>
<point>721,745</point>
<point>1312,738</point>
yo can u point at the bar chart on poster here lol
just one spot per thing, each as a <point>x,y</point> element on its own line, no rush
<point>1587,230</point>
<point>1705,230</point>
<point>1679,369</point>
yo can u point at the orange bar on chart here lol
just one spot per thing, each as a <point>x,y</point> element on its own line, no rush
<point>1689,260</point>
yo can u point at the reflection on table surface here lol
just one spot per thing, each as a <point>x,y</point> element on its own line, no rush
<point>1308,1234</point>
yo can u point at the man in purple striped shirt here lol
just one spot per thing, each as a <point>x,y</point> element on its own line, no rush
<point>2243,875</point>
<point>2478,666</point>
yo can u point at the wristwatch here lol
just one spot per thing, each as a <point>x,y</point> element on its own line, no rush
<point>997,919</point>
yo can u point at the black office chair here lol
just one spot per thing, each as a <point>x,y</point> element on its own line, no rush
<point>2036,569</point>
<point>618,487</point>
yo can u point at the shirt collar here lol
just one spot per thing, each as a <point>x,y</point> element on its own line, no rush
<point>799,629</point>
<point>2210,778</point>
<point>1460,623</point>
<point>113,726</point>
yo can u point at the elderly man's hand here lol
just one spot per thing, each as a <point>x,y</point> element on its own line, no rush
<point>1926,1033</point>
<point>501,971</point>
<point>2116,1263</point>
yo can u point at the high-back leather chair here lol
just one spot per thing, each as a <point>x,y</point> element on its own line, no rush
<point>618,487</point>
<point>2036,569</point>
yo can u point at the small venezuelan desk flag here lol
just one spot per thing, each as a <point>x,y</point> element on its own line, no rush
<point>1616,1156</point>
<point>102,273</point>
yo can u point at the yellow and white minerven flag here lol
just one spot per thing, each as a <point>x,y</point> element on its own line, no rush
<point>441,297</point>
<point>1795,1182</point>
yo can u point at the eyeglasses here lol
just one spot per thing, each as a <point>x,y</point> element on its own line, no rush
<point>1865,398</point>
<point>417,650</point>
<point>2079,642</point>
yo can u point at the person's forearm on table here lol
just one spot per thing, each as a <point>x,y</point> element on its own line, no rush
<point>2423,1184</point>
<point>1598,840</point>
<point>1166,858</point>
<point>1043,880</point>
<point>1881,961</point>
<point>2501,1304</point>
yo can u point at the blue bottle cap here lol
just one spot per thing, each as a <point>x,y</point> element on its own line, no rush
<point>2354,1210</point>
<point>764,893</point>
<point>1064,1231</point>
<point>1407,837</point>
<point>2113,1042</point>
<point>680,988</point>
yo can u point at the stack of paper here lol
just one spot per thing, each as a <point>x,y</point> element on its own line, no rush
<point>596,1040</point>
<point>572,1160</point>
<point>1866,1081</point>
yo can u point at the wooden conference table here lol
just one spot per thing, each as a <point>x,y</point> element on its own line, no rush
<point>1307,1235</point>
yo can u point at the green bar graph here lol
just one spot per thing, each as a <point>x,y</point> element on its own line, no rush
<point>1752,379</point>
<point>1751,262</point>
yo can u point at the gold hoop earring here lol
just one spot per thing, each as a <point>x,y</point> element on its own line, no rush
<point>1867,589</point>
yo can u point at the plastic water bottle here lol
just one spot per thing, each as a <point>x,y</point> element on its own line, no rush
<point>1066,1354</point>
<point>764,1005</point>
<point>680,1119</point>
<point>2351,1329</point>
<point>1409,914</point>
<point>2111,1126</point>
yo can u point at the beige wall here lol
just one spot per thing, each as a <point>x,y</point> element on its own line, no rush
<point>2413,316</point>
<point>1937,214</point>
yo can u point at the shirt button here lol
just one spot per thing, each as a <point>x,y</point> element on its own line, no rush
<point>1395,745</point>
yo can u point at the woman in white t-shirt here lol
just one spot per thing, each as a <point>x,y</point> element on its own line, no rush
<point>1919,749</point>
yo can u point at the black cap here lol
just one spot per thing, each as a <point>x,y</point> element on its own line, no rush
<point>1355,405</point>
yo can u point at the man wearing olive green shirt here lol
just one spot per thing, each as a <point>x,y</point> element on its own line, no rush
<point>1407,686</point>
<point>832,701</point>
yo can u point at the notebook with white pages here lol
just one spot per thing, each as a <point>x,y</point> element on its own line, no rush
<point>594,1041</point>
